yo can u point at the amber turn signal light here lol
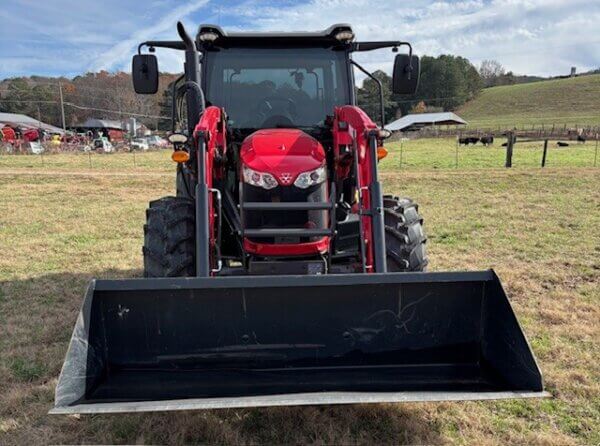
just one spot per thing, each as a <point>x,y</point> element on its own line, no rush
<point>180,156</point>
<point>381,153</point>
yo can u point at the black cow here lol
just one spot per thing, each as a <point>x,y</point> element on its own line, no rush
<point>562,144</point>
<point>582,139</point>
<point>468,140</point>
<point>487,140</point>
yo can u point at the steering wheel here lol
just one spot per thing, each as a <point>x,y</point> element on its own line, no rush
<point>265,105</point>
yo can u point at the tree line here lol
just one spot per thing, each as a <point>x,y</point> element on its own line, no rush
<point>98,95</point>
<point>446,83</point>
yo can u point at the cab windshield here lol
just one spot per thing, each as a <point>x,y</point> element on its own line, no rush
<point>269,88</point>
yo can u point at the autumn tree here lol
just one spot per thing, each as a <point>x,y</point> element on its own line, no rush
<point>418,108</point>
<point>490,71</point>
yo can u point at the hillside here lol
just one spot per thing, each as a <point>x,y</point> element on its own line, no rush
<point>572,101</point>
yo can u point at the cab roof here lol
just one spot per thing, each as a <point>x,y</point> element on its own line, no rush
<point>325,38</point>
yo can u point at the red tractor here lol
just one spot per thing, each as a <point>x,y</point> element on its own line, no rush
<point>279,273</point>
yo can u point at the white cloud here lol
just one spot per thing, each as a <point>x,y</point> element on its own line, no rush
<point>122,51</point>
<point>528,36</point>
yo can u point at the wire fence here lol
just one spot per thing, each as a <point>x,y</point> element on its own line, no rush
<point>404,154</point>
<point>156,160</point>
<point>449,153</point>
<point>551,131</point>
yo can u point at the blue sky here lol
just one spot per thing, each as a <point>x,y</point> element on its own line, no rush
<point>60,37</point>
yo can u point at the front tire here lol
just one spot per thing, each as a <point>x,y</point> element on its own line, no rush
<point>404,235</point>
<point>169,238</point>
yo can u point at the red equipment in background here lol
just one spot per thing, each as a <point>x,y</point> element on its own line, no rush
<point>8,134</point>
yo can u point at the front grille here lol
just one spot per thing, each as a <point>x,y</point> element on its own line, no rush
<point>285,218</point>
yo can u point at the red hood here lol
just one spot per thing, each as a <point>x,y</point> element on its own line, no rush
<point>282,152</point>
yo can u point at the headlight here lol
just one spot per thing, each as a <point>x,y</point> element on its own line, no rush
<point>260,179</point>
<point>311,178</point>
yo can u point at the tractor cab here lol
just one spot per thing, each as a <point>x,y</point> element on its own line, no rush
<point>273,88</point>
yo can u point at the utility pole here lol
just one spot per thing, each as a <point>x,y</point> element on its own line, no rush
<point>62,107</point>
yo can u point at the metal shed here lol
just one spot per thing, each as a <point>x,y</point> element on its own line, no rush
<point>418,121</point>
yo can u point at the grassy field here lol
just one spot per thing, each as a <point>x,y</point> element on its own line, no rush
<point>63,223</point>
<point>443,153</point>
<point>573,101</point>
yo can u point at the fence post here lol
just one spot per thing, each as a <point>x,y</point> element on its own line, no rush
<point>509,149</point>
<point>456,156</point>
<point>401,146</point>
<point>134,164</point>
<point>596,151</point>
<point>545,152</point>
<point>90,158</point>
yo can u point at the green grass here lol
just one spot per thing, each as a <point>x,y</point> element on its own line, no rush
<point>27,370</point>
<point>573,101</point>
<point>443,153</point>
<point>62,225</point>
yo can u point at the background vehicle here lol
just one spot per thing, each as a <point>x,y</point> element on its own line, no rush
<point>156,141</point>
<point>139,144</point>
<point>103,145</point>
<point>280,273</point>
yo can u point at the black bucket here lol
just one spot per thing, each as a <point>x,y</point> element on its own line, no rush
<point>167,344</point>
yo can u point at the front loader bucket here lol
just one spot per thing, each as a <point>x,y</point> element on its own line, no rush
<point>168,344</point>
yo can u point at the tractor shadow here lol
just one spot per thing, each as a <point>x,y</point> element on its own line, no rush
<point>37,316</point>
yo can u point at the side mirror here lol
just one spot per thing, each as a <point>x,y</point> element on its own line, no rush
<point>405,79</point>
<point>144,72</point>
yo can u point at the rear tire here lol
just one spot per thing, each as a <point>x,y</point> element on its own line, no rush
<point>404,235</point>
<point>169,238</point>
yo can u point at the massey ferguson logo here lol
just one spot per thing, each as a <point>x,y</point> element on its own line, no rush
<point>286,178</point>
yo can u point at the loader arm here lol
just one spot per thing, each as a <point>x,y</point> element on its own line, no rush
<point>210,136</point>
<point>356,140</point>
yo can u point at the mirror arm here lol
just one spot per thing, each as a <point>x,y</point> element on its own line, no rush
<point>394,44</point>
<point>379,86</point>
<point>370,46</point>
<point>410,53</point>
<point>172,44</point>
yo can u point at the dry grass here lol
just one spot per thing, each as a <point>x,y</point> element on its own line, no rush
<point>538,229</point>
<point>154,161</point>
